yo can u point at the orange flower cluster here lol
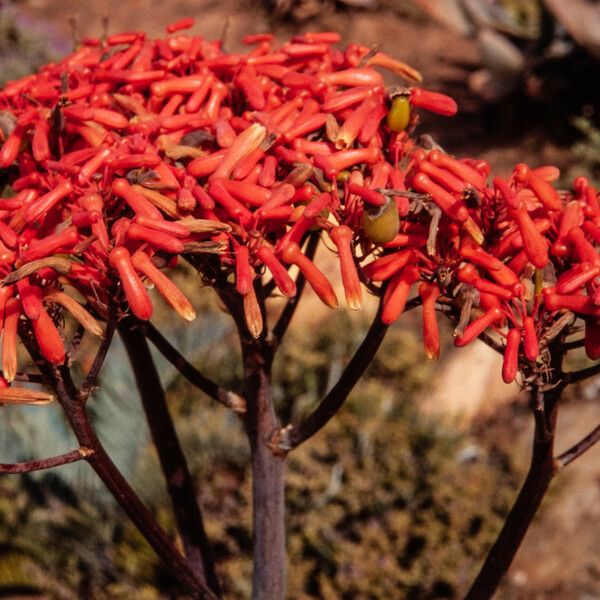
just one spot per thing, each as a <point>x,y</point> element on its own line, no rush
<point>132,153</point>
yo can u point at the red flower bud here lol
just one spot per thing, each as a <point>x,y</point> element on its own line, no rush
<point>282,278</point>
<point>48,339</point>
<point>169,291</point>
<point>530,340</point>
<point>510,364</point>
<point>291,254</point>
<point>478,326</point>
<point>434,102</point>
<point>135,292</point>
<point>429,293</point>
<point>12,312</point>
<point>396,294</point>
<point>342,237</point>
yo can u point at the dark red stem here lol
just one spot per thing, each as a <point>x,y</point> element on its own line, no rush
<point>180,485</point>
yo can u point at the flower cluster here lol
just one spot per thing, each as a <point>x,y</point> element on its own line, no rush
<point>132,153</point>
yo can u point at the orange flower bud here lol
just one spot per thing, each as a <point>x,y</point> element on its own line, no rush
<point>291,254</point>
<point>170,292</point>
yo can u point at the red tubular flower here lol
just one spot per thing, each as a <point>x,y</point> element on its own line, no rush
<point>38,209</point>
<point>12,312</point>
<point>251,88</point>
<point>234,208</point>
<point>368,195</point>
<point>338,161</point>
<point>396,294</point>
<point>39,142</point>
<point>530,340</point>
<point>578,303</point>
<point>94,164</point>
<point>135,200</point>
<point>576,277</point>
<point>282,278</point>
<point>352,77</point>
<point>169,291</point>
<point>280,196</point>
<point>543,190</point>
<point>224,133</point>
<point>267,174</point>
<point>495,267</point>
<point>342,237</point>
<point>6,292</point>
<point>433,102</point>
<point>183,85</point>
<point>584,249</point>
<point>454,208</point>
<point>510,364</point>
<point>170,227</point>
<point>468,274</point>
<point>196,99</point>
<point>243,271</point>
<point>346,99</point>
<point>459,169</point>
<point>571,217</point>
<point>157,239</point>
<point>292,255</point>
<point>48,339</point>
<point>444,178</point>
<point>386,266</point>
<point>108,118</point>
<point>478,326</point>
<point>535,244</point>
<point>429,293</point>
<point>592,230</point>
<point>10,149</point>
<point>186,23</point>
<point>354,122</point>
<point>591,197</point>
<point>303,125</point>
<point>135,292</point>
<point>249,193</point>
<point>31,299</point>
<point>66,239</point>
<point>245,143</point>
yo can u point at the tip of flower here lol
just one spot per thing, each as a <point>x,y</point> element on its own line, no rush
<point>188,313</point>
<point>9,370</point>
<point>185,311</point>
<point>432,353</point>
<point>331,301</point>
<point>354,303</point>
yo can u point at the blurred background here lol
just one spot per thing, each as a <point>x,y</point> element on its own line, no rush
<point>402,493</point>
